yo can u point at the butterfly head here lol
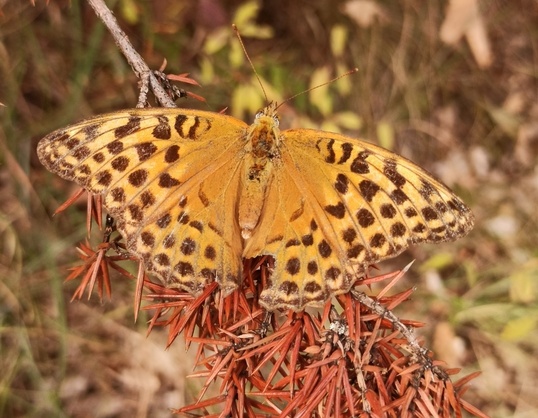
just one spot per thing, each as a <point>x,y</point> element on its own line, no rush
<point>268,115</point>
<point>264,134</point>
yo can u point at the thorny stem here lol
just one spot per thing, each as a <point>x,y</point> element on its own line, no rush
<point>383,312</point>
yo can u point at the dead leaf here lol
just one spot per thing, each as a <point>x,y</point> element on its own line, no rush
<point>364,12</point>
<point>463,18</point>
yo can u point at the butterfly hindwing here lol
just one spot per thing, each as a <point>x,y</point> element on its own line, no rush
<point>306,269</point>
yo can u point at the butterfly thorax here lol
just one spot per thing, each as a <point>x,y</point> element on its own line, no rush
<point>261,153</point>
<point>264,135</point>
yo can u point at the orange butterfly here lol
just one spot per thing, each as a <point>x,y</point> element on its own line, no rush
<point>194,192</point>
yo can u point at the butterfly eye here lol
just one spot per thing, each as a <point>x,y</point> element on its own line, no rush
<point>277,120</point>
<point>259,114</point>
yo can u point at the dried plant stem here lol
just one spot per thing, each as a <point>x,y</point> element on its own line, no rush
<point>383,312</point>
<point>138,65</point>
<point>419,353</point>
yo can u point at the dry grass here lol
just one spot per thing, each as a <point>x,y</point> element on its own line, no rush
<point>473,124</point>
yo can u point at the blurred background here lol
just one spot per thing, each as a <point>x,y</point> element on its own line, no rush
<point>452,85</point>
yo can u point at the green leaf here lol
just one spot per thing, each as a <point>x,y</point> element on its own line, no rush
<point>207,71</point>
<point>217,40</point>
<point>329,126</point>
<point>236,55</point>
<point>489,316</point>
<point>246,99</point>
<point>345,85</point>
<point>320,97</point>
<point>437,261</point>
<point>257,31</point>
<point>348,120</point>
<point>523,282</point>
<point>129,11</point>
<point>385,135</point>
<point>245,14</point>
<point>520,328</point>
<point>338,40</point>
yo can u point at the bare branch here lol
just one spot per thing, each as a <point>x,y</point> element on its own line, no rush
<point>138,65</point>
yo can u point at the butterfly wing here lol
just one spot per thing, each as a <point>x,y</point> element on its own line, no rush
<point>170,178</point>
<point>337,205</point>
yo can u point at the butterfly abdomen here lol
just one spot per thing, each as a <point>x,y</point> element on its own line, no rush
<point>261,153</point>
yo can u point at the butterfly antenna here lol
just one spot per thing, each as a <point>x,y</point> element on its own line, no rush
<point>249,60</point>
<point>353,71</point>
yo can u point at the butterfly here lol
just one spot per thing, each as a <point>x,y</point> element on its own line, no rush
<point>196,192</point>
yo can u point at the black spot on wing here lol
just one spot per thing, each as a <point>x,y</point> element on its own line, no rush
<point>133,125</point>
<point>341,184</point>
<point>368,189</point>
<point>162,130</point>
<point>338,210</point>
<point>293,266</point>
<point>145,150</point>
<point>172,154</point>
<point>346,152</point>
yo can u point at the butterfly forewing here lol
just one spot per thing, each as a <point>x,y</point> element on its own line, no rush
<point>166,176</point>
